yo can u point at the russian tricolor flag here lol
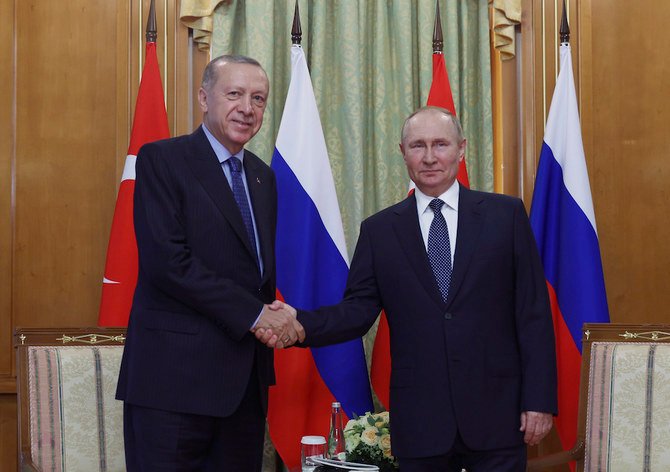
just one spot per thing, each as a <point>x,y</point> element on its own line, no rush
<point>312,268</point>
<point>564,225</point>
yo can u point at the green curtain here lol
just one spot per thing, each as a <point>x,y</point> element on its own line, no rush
<point>371,66</point>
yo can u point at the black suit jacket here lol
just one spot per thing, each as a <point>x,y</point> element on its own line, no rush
<point>472,364</point>
<point>199,289</point>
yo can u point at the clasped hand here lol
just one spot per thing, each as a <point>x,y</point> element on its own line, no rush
<point>278,326</point>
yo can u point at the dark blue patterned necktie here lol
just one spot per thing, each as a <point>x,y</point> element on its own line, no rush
<point>439,248</point>
<point>240,195</point>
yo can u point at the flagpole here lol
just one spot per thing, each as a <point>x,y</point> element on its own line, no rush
<point>296,30</point>
<point>151,34</point>
<point>438,40</point>
<point>565,28</point>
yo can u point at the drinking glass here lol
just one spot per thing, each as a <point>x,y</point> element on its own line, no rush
<point>311,446</point>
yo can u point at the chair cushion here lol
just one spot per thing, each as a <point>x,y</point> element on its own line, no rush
<point>628,410</point>
<point>75,422</point>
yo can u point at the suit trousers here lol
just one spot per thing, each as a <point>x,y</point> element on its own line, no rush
<point>157,440</point>
<point>460,457</point>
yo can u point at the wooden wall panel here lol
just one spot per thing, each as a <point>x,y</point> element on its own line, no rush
<point>66,116</point>
<point>6,187</point>
<point>8,435</point>
<point>8,445</point>
<point>506,123</point>
<point>630,100</point>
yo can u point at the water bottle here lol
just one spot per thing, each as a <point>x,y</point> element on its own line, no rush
<point>336,446</point>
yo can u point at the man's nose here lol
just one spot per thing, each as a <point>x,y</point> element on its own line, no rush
<point>429,156</point>
<point>245,104</point>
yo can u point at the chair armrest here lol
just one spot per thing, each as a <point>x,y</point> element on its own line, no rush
<point>27,464</point>
<point>563,457</point>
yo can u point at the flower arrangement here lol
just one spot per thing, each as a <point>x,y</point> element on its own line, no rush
<point>368,441</point>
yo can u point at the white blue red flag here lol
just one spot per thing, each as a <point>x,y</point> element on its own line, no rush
<point>564,225</point>
<point>312,268</point>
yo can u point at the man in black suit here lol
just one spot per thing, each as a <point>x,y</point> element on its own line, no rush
<point>472,344</point>
<point>194,378</point>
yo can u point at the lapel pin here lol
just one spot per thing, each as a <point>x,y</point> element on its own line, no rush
<point>258,180</point>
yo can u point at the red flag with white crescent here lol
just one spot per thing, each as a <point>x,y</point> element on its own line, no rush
<point>149,124</point>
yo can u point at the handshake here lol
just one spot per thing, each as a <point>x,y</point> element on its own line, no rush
<point>277,326</point>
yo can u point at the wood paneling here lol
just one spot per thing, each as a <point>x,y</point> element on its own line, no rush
<point>8,418</point>
<point>8,433</point>
<point>65,155</point>
<point>505,99</point>
<point>6,185</point>
<point>630,168</point>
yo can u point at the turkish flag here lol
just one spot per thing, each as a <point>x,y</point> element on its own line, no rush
<point>149,124</point>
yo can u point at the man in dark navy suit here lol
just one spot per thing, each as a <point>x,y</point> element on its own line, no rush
<point>194,379</point>
<point>473,375</point>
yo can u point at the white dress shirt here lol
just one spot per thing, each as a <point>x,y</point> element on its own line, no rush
<point>449,210</point>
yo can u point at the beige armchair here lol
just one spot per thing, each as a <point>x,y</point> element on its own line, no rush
<point>68,417</point>
<point>624,402</point>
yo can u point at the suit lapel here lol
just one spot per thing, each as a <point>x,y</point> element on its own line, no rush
<point>207,169</point>
<point>408,231</point>
<point>260,192</point>
<point>470,219</point>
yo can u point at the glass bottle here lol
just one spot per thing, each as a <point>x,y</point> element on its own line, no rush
<point>336,446</point>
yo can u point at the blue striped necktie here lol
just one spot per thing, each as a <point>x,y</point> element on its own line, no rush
<point>439,248</point>
<point>240,195</point>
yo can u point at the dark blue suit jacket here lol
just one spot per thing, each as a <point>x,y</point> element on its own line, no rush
<point>472,364</point>
<point>199,289</point>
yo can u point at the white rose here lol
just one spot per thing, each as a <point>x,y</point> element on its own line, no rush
<point>369,436</point>
<point>350,425</point>
<point>385,442</point>
<point>352,442</point>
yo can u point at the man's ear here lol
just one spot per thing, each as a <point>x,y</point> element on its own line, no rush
<point>462,149</point>
<point>202,99</point>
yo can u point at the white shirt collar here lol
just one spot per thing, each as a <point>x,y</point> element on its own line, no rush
<point>449,197</point>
